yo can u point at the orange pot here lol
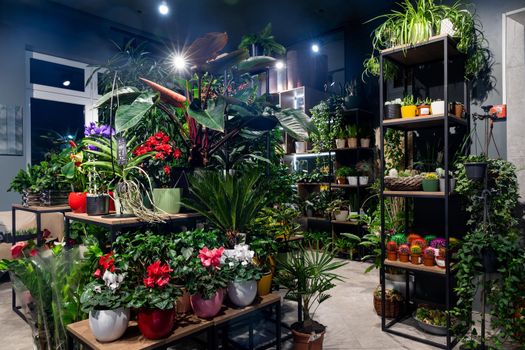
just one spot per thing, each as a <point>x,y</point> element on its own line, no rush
<point>415,259</point>
<point>264,285</point>
<point>404,258</point>
<point>428,260</point>
<point>392,256</point>
<point>183,304</point>
<point>302,341</point>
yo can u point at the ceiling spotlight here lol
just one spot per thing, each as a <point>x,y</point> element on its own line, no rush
<point>66,83</point>
<point>164,8</point>
<point>315,48</point>
<point>279,65</point>
<point>179,62</point>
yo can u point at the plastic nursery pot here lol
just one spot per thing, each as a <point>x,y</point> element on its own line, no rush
<point>408,111</point>
<point>264,285</point>
<point>404,257</point>
<point>207,308</point>
<point>242,293</point>
<point>428,260</point>
<point>475,170</point>
<point>77,202</point>
<point>430,185</point>
<point>155,323</point>
<point>307,341</point>
<point>415,259</point>
<point>352,142</point>
<point>392,256</point>
<point>364,143</point>
<point>108,325</point>
<point>300,147</point>
<point>340,143</point>
<point>167,199</point>
<point>392,111</point>
<point>97,204</point>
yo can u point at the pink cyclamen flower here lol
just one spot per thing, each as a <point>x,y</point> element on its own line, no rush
<point>210,257</point>
<point>17,249</point>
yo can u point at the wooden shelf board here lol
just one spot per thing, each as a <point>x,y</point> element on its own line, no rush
<point>410,266</point>
<point>96,219</point>
<point>43,208</point>
<point>421,122</point>
<point>421,194</point>
<point>351,223</point>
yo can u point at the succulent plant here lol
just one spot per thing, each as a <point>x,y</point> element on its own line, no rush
<point>429,238</point>
<point>415,250</point>
<point>404,249</point>
<point>391,246</point>
<point>438,243</point>
<point>419,242</point>
<point>429,252</point>
<point>390,294</point>
<point>399,238</point>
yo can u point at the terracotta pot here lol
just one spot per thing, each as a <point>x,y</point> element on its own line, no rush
<point>340,143</point>
<point>183,304</point>
<point>428,260</point>
<point>305,341</point>
<point>77,202</point>
<point>207,308</point>
<point>352,142</point>
<point>341,180</point>
<point>404,257</point>
<point>155,323</point>
<point>415,259</point>
<point>392,256</point>
<point>364,143</point>
<point>423,110</point>
<point>264,285</point>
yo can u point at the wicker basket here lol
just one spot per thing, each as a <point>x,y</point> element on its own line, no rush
<point>392,306</point>
<point>410,183</point>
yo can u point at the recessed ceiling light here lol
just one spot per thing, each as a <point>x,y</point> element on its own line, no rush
<point>66,83</point>
<point>279,64</point>
<point>179,62</point>
<point>315,48</point>
<point>164,9</point>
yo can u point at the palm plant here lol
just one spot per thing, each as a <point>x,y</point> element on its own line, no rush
<point>229,202</point>
<point>265,40</point>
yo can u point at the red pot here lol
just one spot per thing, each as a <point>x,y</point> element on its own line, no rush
<point>156,323</point>
<point>207,308</point>
<point>77,202</point>
<point>111,201</point>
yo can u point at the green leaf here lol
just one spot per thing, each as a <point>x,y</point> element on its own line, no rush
<point>69,170</point>
<point>295,122</point>
<point>256,63</point>
<point>128,116</point>
<point>212,117</point>
<point>123,95</point>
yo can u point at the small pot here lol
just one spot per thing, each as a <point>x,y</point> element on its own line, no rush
<point>392,111</point>
<point>183,304</point>
<point>242,293</point>
<point>352,180</point>
<point>77,202</point>
<point>167,199</point>
<point>364,143</point>
<point>428,260</point>
<point>341,180</point>
<point>264,285</point>
<point>341,215</point>
<point>363,180</point>
<point>340,143</point>
<point>440,262</point>
<point>438,107</point>
<point>404,258</point>
<point>452,184</point>
<point>300,147</point>
<point>306,341</point>
<point>392,256</point>
<point>97,204</point>
<point>408,111</point>
<point>207,308</point>
<point>352,142</point>
<point>458,110</point>
<point>415,259</point>
<point>475,170</point>
<point>423,110</point>
<point>108,325</point>
<point>156,323</point>
<point>430,185</point>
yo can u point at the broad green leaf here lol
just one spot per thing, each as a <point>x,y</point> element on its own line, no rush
<point>128,116</point>
<point>123,95</point>
<point>295,122</point>
<point>69,170</point>
<point>212,117</point>
<point>256,63</point>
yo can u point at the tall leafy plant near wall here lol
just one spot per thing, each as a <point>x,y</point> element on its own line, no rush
<point>327,116</point>
<point>506,289</point>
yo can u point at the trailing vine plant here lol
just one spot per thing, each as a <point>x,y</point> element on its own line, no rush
<point>327,117</point>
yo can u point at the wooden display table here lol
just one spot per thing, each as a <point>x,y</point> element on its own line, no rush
<point>184,327</point>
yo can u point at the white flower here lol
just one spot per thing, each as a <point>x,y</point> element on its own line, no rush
<point>244,263</point>
<point>392,173</point>
<point>97,289</point>
<point>231,264</point>
<point>113,280</point>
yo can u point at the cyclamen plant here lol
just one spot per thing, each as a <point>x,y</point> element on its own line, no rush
<point>240,263</point>
<point>208,276</point>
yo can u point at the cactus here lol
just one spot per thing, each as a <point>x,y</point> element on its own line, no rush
<point>404,249</point>
<point>399,238</point>
<point>429,252</point>
<point>415,250</point>
<point>419,242</point>
<point>391,246</point>
<point>438,243</point>
<point>412,236</point>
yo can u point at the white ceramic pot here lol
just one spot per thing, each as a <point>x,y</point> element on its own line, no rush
<point>340,143</point>
<point>447,27</point>
<point>341,215</point>
<point>108,325</point>
<point>438,107</point>
<point>300,147</point>
<point>440,262</point>
<point>242,293</point>
<point>363,180</point>
<point>452,183</point>
<point>352,180</point>
<point>364,143</point>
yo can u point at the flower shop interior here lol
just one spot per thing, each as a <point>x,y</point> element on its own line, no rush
<point>233,174</point>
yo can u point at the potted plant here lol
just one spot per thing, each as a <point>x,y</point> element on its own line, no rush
<point>341,174</point>
<point>457,109</point>
<point>411,237</point>
<point>420,242</point>
<point>430,320</point>
<point>352,177</point>
<point>97,199</point>
<point>392,109</point>
<point>428,256</point>
<point>265,248</point>
<point>393,301</point>
<point>438,107</point>
<point>352,99</point>
<point>262,43</point>
<point>404,252</point>
<point>441,257</point>
<point>391,251</point>
<point>308,276</point>
<point>364,138</point>
<point>351,132</point>
<point>476,167</point>
<point>364,169</point>
<point>423,106</point>
<point>452,182</point>
<point>340,141</point>
<point>415,254</point>
<point>208,282</point>
<point>25,183</point>
<point>105,299</point>
<point>408,107</point>
<point>338,209</point>
<point>239,263</point>
<point>430,182</point>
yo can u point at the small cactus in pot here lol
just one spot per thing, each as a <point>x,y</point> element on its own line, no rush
<point>404,252</point>
<point>428,256</point>
<point>415,254</point>
<point>391,250</point>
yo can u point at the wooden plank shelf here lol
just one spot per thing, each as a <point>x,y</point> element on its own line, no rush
<point>409,266</point>
<point>347,185</point>
<point>415,194</point>
<point>430,121</point>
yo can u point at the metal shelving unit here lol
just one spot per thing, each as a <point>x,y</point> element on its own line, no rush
<point>437,49</point>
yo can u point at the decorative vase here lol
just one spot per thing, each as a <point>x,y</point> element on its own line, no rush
<point>392,256</point>
<point>438,108</point>
<point>207,308</point>
<point>307,341</point>
<point>363,180</point>
<point>183,304</point>
<point>404,258</point>
<point>430,185</point>
<point>167,199</point>
<point>300,147</point>
<point>108,325</point>
<point>364,143</point>
<point>97,204</point>
<point>242,293</point>
<point>408,111</point>
<point>77,202</point>
<point>156,323</point>
<point>264,285</point>
<point>423,110</point>
<point>428,260</point>
<point>392,111</point>
<point>352,142</point>
<point>475,170</point>
<point>340,143</point>
<point>352,180</point>
<point>452,184</point>
<point>415,259</point>
<point>341,215</point>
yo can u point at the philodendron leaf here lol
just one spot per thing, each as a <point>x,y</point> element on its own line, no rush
<point>294,122</point>
<point>128,116</point>
<point>125,94</point>
<point>212,117</point>
<point>256,63</point>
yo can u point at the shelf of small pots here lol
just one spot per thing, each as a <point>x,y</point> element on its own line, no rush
<point>392,109</point>
<point>408,107</point>
<point>239,263</point>
<point>415,254</point>
<point>351,132</point>
<point>430,182</point>
<point>451,181</point>
<point>105,298</point>
<point>428,256</point>
<point>352,177</point>
<point>338,209</point>
<point>391,251</point>
<point>423,107</point>
<point>341,175</point>
<point>404,253</point>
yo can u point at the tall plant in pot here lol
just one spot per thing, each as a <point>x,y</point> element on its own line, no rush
<point>308,276</point>
<point>239,264</point>
<point>338,209</point>
<point>76,174</point>
<point>265,248</point>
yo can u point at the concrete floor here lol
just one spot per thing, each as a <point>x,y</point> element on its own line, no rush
<point>349,316</point>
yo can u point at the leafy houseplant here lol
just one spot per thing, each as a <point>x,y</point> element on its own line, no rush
<point>452,181</point>
<point>341,173</point>
<point>364,137</point>
<point>352,136</point>
<point>423,106</point>
<point>239,264</point>
<point>264,41</point>
<point>408,107</point>
<point>340,138</point>
<point>430,182</point>
<point>352,177</point>
<point>265,247</point>
<point>338,209</point>
<point>308,276</point>
<point>327,117</point>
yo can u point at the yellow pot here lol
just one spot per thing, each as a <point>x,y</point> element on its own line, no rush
<point>264,285</point>
<point>408,111</point>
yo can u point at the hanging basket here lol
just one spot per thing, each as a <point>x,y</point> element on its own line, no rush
<point>410,183</point>
<point>392,304</point>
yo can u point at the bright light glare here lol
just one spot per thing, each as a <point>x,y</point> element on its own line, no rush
<point>315,48</point>
<point>279,65</point>
<point>179,62</point>
<point>164,8</point>
<point>66,83</point>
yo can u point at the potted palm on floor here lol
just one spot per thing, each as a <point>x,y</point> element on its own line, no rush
<point>308,276</point>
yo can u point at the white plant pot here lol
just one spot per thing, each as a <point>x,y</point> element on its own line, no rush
<point>242,293</point>
<point>354,214</point>
<point>108,325</point>
<point>352,180</point>
<point>438,107</point>
<point>364,143</point>
<point>452,184</point>
<point>340,143</point>
<point>441,262</point>
<point>447,27</point>
<point>341,215</point>
<point>300,147</point>
<point>363,180</point>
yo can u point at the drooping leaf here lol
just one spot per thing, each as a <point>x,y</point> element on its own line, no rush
<point>225,61</point>
<point>212,117</point>
<point>125,94</point>
<point>128,116</point>
<point>295,122</point>
<point>256,63</point>
<point>166,95</point>
<point>206,48</point>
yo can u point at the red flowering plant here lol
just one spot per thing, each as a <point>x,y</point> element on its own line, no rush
<point>166,155</point>
<point>208,273</point>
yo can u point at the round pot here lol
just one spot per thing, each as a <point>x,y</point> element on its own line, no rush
<point>476,170</point>
<point>97,204</point>
<point>430,185</point>
<point>458,110</point>
<point>392,111</point>
<point>364,143</point>
<point>77,202</point>
<point>428,260</point>
<point>352,101</point>
<point>392,256</point>
<point>415,259</point>
<point>452,184</point>
<point>404,257</point>
<point>108,325</point>
<point>423,110</point>
<point>341,215</point>
<point>264,285</point>
<point>207,308</point>
<point>352,142</point>
<point>438,107</point>
<point>340,143</point>
<point>352,180</point>
<point>307,341</point>
<point>408,111</point>
<point>440,261</point>
<point>340,180</point>
<point>363,180</point>
<point>242,293</point>
<point>183,304</point>
<point>155,323</point>
<point>300,147</point>
<point>167,199</point>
